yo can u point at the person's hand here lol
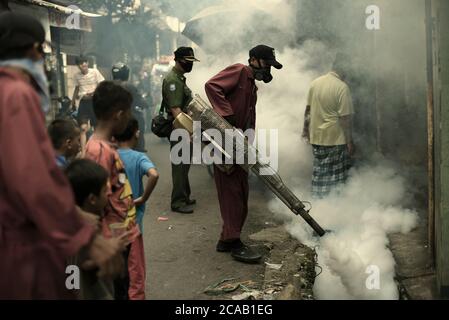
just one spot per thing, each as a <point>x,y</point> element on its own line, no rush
<point>92,219</point>
<point>306,136</point>
<point>140,201</point>
<point>85,127</point>
<point>351,149</point>
<point>106,255</point>
<point>124,239</point>
<point>73,105</point>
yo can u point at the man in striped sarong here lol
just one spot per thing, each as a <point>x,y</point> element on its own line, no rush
<point>328,128</point>
<point>330,168</point>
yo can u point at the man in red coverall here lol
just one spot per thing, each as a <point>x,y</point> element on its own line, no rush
<point>40,227</point>
<point>233,94</point>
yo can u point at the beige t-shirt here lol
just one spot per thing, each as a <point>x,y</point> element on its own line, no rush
<point>329,99</point>
<point>88,82</point>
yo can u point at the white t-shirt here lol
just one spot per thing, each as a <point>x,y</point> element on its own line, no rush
<point>329,100</point>
<point>88,82</point>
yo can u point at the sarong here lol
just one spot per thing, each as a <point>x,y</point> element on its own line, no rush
<point>331,165</point>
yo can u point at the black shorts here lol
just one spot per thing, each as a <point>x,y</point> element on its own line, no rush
<point>86,112</point>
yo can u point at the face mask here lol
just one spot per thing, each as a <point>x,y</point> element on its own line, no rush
<point>37,71</point>
<point>187,66</point>
<point>263,74</point>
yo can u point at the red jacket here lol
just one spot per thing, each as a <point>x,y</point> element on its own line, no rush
<point>233,92</point>
<point>39,225</point>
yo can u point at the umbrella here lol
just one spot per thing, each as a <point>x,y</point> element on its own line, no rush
<point>219,13</point>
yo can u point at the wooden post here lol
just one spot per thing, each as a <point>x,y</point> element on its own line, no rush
<point>430,131</point>
<point>440,9</point>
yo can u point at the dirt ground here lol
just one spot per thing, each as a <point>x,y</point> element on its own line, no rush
<point>180,253</point>
<point>182,263</point>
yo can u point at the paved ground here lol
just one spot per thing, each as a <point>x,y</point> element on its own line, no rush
<point>181,256</point>
<point>414,268</point>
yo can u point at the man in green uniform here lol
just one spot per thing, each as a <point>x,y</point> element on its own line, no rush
<point>175,98</point>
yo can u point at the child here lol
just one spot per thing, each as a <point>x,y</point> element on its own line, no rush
<point>137,165</point>
<point>66,139</point>
<point>89,183</point>
<point>112,107</point>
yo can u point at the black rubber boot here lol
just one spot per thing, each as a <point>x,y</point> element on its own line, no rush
<point>246,255</point>
<point>184,209</point>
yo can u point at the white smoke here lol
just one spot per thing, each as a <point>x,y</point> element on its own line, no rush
<point>373,203</point>
<point>367,209</point>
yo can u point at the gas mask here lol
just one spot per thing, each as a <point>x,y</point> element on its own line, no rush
<point>187,66</point>
<point>263,74</point>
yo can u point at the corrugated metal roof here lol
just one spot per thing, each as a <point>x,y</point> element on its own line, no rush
<point>64,9</point>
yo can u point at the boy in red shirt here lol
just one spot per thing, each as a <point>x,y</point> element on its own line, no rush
<point>112,107</point>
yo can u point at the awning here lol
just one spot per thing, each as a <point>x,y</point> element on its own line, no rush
<point>69,17</point>
<point>63,9</point>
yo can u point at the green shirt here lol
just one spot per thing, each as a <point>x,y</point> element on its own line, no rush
<point>175,93</point>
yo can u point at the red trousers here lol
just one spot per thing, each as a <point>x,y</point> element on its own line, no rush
<point>136,270</point>
<point>233,193</point>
